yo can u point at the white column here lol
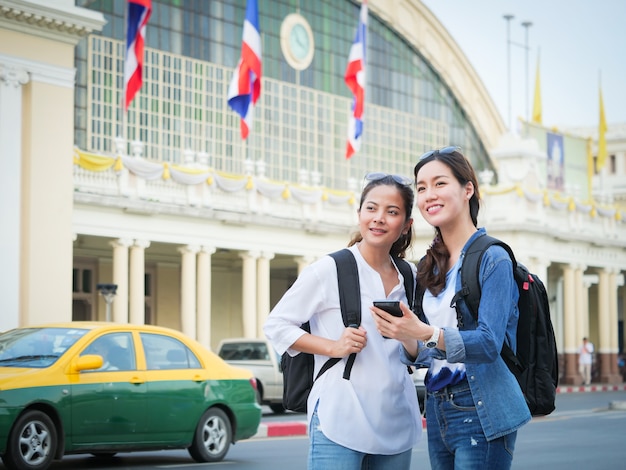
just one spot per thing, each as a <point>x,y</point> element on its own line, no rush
<point>188,290</point>
<point>120,277</point>
<point>137,291</point>
<point>249,297</point>
<point>203,295</point>
<point>11,80</point>
<point>613,315</point>
<point>604,324</point>
<point>582,304</point>
<point>302,262</point>
<point>263,292</point>
<point>584,328</point>
<point>570,348</point>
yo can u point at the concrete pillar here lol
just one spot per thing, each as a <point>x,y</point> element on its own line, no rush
<point>120,277</point>
<point>263,291</point>
<point>582,304</point>
<point>11,80</point>
<point>570,374</point>
<point>302,262</point>
<point>249,289</point>
<point>137,285</point>
<point>613,320</point>
<point>603,349</point>
<point>188,290</point>
<point>203,295</point>
<point>608,347</point>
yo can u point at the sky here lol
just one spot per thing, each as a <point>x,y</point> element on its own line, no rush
<point>580,44</point>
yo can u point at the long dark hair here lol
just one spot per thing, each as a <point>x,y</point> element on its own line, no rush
<point>399,247</point>
<point>431,270</point>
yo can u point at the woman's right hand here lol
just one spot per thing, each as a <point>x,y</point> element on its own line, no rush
<point>352,340</point>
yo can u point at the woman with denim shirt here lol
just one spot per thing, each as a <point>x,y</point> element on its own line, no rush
<point>474,405</point>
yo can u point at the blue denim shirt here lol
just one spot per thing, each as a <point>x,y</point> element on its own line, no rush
<point>499,400</point>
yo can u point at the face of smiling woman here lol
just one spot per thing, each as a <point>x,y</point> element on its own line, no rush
<point>382,216</point>
<point>441,199</point>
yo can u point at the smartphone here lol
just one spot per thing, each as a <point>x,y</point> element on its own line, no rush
<point>389,306</point>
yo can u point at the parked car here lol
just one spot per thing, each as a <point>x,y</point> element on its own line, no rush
<point>103,388</point>
<point>258,356</point>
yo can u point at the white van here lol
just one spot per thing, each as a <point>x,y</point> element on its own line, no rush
<point>258,356</point>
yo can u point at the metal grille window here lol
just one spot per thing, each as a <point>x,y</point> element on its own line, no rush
<point>297,131</point>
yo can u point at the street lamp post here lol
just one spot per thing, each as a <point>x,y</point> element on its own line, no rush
<point>107,291</point>
<point>526,25</point>
<point>508,19</point>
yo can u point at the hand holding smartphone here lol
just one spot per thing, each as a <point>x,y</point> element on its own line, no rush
<point>390,306</point>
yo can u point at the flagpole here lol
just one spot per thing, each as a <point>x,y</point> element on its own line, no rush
<point>508,19</point>
<point>527,25</point>
<point>123,97</point>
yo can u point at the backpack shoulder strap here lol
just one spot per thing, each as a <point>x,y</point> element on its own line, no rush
<point>349,295</point>
<point>409,282</point>
<point>349,287</point>
<point>470,271</point>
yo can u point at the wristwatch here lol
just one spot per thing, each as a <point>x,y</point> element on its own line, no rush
<point>432,341</point>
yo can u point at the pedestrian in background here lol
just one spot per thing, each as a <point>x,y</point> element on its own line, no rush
<point>585,360</point>
<point>371,421</point>
<point>474,405</point>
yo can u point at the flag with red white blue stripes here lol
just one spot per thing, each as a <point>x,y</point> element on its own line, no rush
<point>355,80</point>
<point>137,18</point>
<point>245,86</point>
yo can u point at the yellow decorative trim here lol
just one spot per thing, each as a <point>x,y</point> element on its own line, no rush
<point>497,191</point>
<point>92,162</point>
<point>572,205</point>
<point>306,194</point>
<point>189,171</point>
<point>119,165</point>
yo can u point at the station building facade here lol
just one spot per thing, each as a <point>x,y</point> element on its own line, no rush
<point>203,231</point>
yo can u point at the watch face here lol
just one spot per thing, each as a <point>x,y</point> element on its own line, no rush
<point>299,41</point>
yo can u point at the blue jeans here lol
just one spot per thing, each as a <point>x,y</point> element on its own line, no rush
<point>456,440</point>
<point>325,454</point>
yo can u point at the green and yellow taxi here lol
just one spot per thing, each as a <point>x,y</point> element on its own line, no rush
<point>103,388</point>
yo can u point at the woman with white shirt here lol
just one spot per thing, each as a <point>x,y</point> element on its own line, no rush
<point>371,420</point>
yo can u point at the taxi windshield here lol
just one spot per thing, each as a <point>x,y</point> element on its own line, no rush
<point>36,347</point>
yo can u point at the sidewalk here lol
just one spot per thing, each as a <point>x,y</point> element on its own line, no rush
<point>289,428</point>
<point>298,427</point>
<point>591,388</point>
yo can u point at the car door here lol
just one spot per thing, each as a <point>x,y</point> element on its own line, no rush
<point>108,404</point>
<point>177,388</point>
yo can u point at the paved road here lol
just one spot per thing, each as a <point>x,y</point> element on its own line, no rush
<point>582,433</point>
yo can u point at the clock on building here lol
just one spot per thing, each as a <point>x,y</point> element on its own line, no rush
<point>296,41</point>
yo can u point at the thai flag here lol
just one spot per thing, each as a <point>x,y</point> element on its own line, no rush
<point>138,15</point>
<point>245,87</point>
<point>355,79</point>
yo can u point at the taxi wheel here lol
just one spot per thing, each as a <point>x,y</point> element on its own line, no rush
<point>32,442</point>
<point>212,437</point>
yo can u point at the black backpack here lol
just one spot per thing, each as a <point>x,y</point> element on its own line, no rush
<point>535,365</point>
<point>298,370</point>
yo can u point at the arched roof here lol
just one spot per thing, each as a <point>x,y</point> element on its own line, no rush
<point>417,24</point>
